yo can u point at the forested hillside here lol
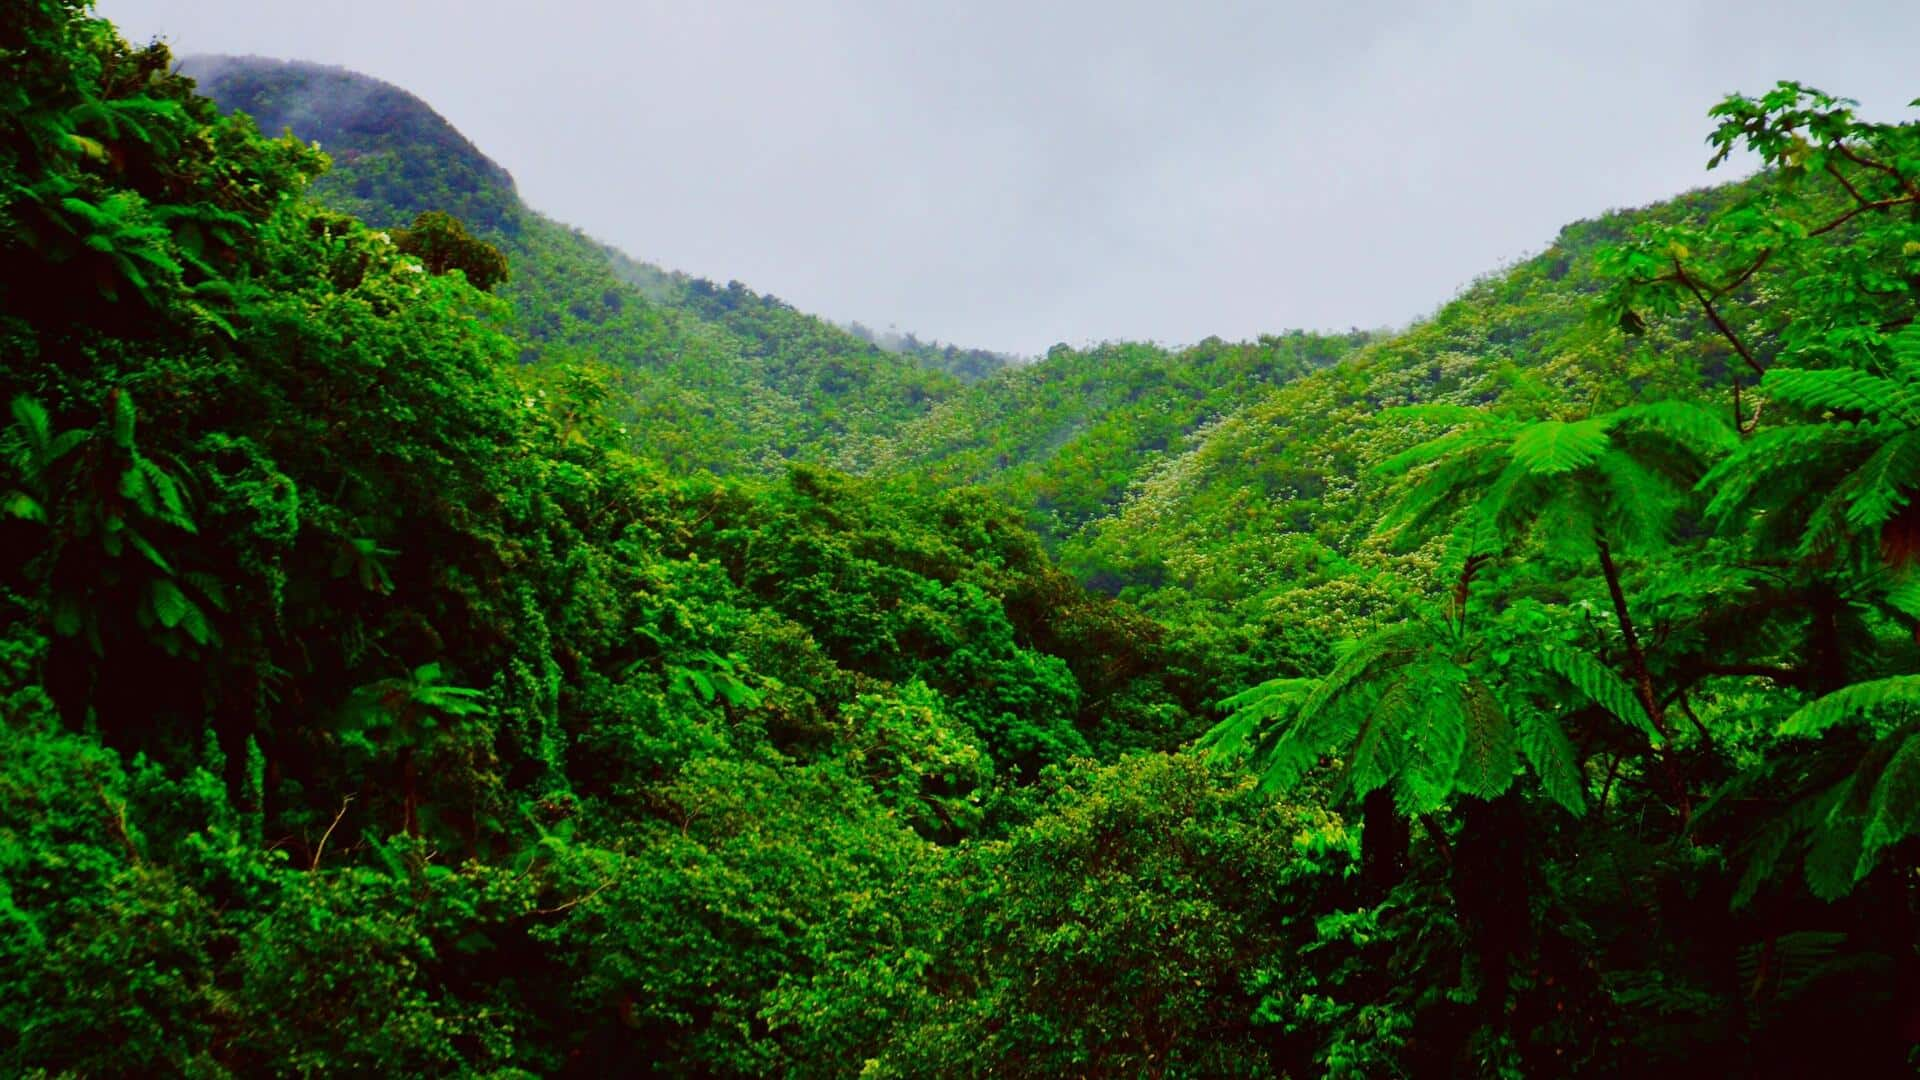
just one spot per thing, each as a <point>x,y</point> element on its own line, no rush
<point>719,377</point>
<point>434,644</point>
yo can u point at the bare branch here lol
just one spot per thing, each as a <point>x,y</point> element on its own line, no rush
<point>558,908</point>
<point>314,867</point>
<point>1713,314</point>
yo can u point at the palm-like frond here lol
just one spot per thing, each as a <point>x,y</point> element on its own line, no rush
<point>1552,447</point>
<point>1600,685</point>
<point>1854,703</point>
<point>1546,747</point>
<point>1843,390</point>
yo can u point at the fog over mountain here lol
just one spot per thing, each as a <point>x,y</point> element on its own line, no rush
<point>1008,177</point>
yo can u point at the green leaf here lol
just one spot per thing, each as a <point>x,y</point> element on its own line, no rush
<point>1600,686</point>
<point>1894,812</point>
<point>123,419</point>
<point>1701,430</point>
<point>170,605</point>
<point>1841,389</point>
<point>1853,703</point>
<point>19,504</point>
<point>1551,447</point>
<point>1487,758</point>
<point>1550,752</point>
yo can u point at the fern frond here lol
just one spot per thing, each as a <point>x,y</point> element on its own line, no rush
<point>1853,703</point>
<point>1780,968</point>
<point>1786,458</point>
<point>1834,854</point>
<point>1432,450</point>
<point>1893,812</point>
<point>33,425</point>
<point>1905,598</point>
<point>1393,644</point>
<point>1546,747</point>
<point>1702,431</point>
<point>1437,490</point>
<point>1841,390</point>
<point>1904,347</point>
<point>1487,756</point>
<point>1640,503</point>
<point>1378,753</point>
<point>1601,686</point>
<point>1432,736</point>
<point>1251,714</point>
<point>1552,447</point>
<point>1882,486</point>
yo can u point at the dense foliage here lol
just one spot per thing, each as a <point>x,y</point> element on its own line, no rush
<point>386,687</point>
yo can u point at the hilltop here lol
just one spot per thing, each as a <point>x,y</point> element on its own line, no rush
<point>714,376</point>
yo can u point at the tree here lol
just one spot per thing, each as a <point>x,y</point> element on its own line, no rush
<point>441,243</point>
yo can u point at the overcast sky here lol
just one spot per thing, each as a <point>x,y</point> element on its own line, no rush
<point>1010,174</point>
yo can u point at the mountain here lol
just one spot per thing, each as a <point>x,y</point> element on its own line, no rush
<point>711,376</point>
<point>1065,437</point>
<point>386,689</point>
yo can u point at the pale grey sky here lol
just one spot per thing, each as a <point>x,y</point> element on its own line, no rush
<point>1008,174</point>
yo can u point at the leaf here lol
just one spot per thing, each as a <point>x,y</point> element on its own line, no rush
<point>1432,739</point>
<point>1842,390</point>
<point>148,551</point>
<point>1550,752</point>
<point>735,692</point>
<point>1551,447</point>
<point>1701,430</point>
<point>1852,703</point>
<point>170,605</point>
<point>123,419</point>
<point>1487,755</point>
<point>1894,811</point>
<point>31,417</point>
<point>1252,712</point>
<point>1600,686</point>
<point>1905,597</point>
<point>19,504</point>
<point>92,149</point>
<point>1884,484</point>
<point>1835,853</point>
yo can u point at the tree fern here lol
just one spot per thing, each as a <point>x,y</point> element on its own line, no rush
<point>1847,469</point>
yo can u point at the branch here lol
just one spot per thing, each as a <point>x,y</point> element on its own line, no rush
<point>314,866</point>
<point>1438,834</point>
<point>118,823</point>
<point>557,909</point>
<point>1741,278</point>
<point>1834,171</point>
<point>1899,177</point>
<point>1713,313</point>
<point>1882,204</point>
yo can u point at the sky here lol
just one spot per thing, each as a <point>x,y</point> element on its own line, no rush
<point>1008,174</point>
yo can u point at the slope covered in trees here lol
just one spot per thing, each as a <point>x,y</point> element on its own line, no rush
<point>381,693</point>
<point>713,376</point>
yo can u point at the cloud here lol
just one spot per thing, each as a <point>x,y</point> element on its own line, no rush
<point>1007,175</point>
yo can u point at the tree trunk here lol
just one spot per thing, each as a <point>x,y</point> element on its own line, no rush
<point>1642,678</point>
<point>1384,838</point>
